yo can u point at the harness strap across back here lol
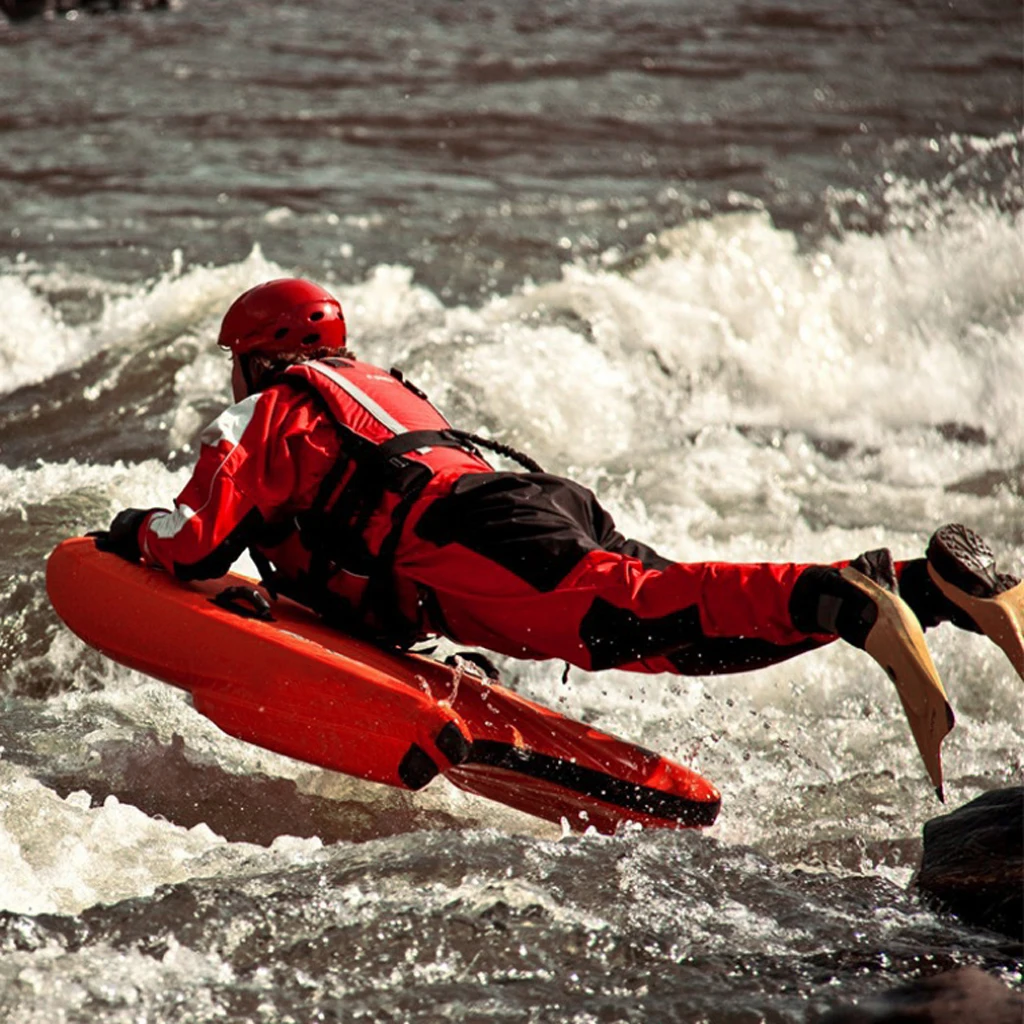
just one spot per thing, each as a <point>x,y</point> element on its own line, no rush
<point>334,527</point>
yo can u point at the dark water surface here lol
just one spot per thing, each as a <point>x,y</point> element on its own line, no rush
<point>469,140</point>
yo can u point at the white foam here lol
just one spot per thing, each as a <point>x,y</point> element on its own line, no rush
<point>36,344</point>
<point>138,485</point>
<point>53,986</point>
<point>33,340</point>
<point>636,383</point>
<point>61,856</point>
<point>868,334</point>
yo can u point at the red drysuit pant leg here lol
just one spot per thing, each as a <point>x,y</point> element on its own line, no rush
<point>610,611</point>
<point>531,565</point>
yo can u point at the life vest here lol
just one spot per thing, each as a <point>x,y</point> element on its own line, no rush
<point>392,443</point>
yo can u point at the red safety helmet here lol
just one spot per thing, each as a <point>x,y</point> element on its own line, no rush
<point>286,315</point>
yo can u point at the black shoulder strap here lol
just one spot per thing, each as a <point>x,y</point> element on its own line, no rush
<point>507,450</point>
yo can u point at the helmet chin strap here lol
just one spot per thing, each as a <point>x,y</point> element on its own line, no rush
<point>246,368</point>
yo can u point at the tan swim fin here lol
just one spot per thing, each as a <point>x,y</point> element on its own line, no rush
<point>1000,618</point>
<point>896,642</point>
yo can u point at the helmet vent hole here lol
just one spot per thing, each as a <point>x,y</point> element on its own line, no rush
<point>280,333</point>
<point>310,339</point>
<point>318,315</point>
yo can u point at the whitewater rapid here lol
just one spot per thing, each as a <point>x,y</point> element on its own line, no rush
<point>733,395</point>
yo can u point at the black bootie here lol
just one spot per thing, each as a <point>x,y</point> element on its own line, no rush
<point>958,581</point>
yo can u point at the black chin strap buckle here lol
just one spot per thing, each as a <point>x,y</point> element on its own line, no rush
<point>245,601</point>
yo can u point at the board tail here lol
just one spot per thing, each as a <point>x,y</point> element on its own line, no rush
<point>536,760</point>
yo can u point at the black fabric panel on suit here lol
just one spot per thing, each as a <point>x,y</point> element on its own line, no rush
<point>534,525</point>
<point>615,636</point>
<point>602,528</point>
<point>714,656</point>
<point>648,557</point>
<point>218,561</point>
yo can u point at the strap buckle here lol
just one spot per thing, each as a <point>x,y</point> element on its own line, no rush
<point>247,602</point>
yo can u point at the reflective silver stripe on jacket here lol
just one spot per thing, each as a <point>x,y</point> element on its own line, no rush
<point>355,392</point>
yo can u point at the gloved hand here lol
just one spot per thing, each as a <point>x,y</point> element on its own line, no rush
<point>122,539</point>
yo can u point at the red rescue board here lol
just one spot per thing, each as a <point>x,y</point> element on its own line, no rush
<point>297,687</point>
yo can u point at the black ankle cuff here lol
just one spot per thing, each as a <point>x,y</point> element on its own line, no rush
<point>805,596</point>
<point>823,602</point>
<point>878,566</point>
<point>927,602</point>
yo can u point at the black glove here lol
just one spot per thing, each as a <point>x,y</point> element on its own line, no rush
<point>122,539</point>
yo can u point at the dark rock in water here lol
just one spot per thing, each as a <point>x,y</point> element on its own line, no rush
<point>964,996</point>
<point>989,481</point>
<point>964,433</point>
<point>20,10</point>
<point>973,862</point>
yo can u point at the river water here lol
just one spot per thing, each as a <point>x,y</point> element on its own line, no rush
<point>752,270</point>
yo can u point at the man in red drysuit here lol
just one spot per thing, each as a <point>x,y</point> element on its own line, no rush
<point>357,498</point>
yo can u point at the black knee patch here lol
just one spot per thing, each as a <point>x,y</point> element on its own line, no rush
<point>615,636</point>
<point>722,655</point>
